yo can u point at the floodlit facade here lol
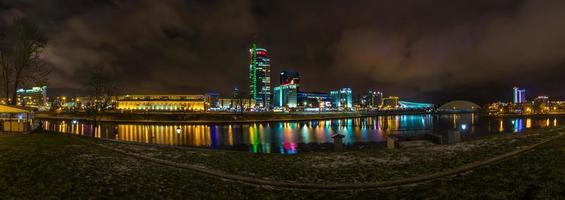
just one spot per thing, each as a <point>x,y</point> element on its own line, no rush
<point>391,102</point>
<point>286,96</point>
<point>342,99</point>
<point>372,99</point>
<point>33,97</point>
<point>233,104</point>
<point>317,100</point>
<point>289,77</point>
<point>162,102</point>
<point>260,77</point>
<point>415,105</point>
<point>519,95</point>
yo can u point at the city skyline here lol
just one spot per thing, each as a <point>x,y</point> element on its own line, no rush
<point>482,49</point>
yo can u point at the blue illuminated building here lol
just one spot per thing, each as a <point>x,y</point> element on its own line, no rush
<point>285,96</point>
<point>519,95</point>
<point>314,100</point>
<point>413,105</point>
<point>342,99</point>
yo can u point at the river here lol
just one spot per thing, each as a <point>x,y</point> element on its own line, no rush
<point>296,137</point>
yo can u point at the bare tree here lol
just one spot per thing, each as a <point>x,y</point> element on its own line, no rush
<point>20,59</point>
<point>6,73</point>
<point>101,88</point>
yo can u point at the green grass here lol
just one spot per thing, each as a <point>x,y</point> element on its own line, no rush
<point>354,166</point>
<point>48,165</point>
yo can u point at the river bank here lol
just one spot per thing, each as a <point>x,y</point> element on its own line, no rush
<point>53,165</point>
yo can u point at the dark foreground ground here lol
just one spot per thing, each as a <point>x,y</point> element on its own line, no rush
<point>44,165</point>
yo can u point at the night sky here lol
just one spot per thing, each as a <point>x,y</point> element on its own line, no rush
<point>421,50</point>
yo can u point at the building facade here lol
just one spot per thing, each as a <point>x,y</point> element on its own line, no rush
<point>314,100</point>
<point>519,95</point>
<point>260,77</point>
<point>372,99</point>
<point>391,102</point>
<point>289,77</point>
<point>162,102</point>
<point>235,104</point>
<point>34,97</point>
<point>286,96</point>
<point>342,99</point>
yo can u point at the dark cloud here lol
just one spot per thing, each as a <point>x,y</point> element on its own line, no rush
<point>433,50</point>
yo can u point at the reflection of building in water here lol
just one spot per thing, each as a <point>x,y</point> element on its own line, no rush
<point>193,135</point>
<point>162,102</point>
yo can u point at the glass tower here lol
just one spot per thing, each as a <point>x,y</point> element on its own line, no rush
<point>260,77</point>
<point>519,95</point>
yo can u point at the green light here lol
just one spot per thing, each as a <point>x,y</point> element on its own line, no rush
<point>254,71</point>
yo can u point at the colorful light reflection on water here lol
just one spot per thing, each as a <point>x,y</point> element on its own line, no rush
<point>294,137</point>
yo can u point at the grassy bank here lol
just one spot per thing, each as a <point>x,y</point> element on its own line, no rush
<point>46,165</point>
<point>355,166</point>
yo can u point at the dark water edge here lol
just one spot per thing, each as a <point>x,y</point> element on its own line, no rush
<point>303,136</point>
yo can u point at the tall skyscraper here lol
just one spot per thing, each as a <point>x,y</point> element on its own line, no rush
<point>260,76</point>
<point>519,95</point>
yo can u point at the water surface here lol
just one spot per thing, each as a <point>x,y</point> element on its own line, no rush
<point>295,137</point>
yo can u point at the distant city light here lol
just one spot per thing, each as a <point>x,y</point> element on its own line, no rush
<point>463,126</point>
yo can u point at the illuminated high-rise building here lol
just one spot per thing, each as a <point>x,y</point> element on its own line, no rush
<point>372,99</point>
<point>342,99</point>
<point>519,95</point>
<point>260,76</point>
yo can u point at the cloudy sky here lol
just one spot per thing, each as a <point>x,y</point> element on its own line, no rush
<point>432,50</point>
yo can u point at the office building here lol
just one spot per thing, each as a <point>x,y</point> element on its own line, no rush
<point>34,97</point>
<point>372,99</point>
<point>285,96</point>
<point>342,99</point>
<point>541,105</point>
<point>260,77</point>
<point>162,102</point>
<point>391,102</point>
<point>235,104</point>
<point>314,100</point>
<point>289,77</point>
<point>519,95</point>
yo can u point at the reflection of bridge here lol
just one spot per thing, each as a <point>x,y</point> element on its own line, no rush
<point>413,105</point>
